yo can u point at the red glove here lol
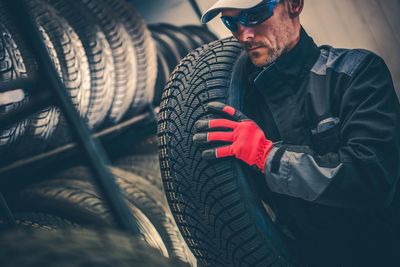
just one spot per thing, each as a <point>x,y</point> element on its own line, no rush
<point>248,142</point>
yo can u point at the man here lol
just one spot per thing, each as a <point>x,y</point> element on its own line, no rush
<point>323,127</point>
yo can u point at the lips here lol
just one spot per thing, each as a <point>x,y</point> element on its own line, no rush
<point>254,48</point>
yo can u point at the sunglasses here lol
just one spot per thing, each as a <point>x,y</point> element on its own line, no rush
<point>252,16</point>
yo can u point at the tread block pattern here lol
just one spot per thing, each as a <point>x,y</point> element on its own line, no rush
<point>37,220</point>
<point>144,48</point>
<point>98,52</point>
<point>11,67</point>
<point>124,56</point>
<point>211,205</point>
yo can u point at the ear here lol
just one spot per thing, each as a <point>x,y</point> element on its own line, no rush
<point>295,7</point>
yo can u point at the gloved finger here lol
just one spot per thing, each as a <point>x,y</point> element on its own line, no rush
<point>213,137</point>
<point>221,108</point>
<point>215,123</point>
<point>219,152</point>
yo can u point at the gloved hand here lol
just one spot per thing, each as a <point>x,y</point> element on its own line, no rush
<point>248,142</point>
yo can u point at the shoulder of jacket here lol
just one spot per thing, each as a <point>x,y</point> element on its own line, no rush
<point>340,60</point>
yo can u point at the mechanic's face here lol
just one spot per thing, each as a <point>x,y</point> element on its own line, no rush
<point>265,42</point>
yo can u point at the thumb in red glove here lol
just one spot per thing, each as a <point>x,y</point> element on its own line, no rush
<point>247,140</point>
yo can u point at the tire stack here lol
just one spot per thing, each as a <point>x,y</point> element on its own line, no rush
<point>71,197</point>
<point>104,55</point>
<point>113,66</point>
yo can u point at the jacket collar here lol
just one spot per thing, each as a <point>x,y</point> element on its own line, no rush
<point>302,56</point>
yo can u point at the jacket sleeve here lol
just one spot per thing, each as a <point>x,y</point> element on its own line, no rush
<point>364,172</point>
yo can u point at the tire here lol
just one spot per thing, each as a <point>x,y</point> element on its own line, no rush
<point>167,47</point>
<point>215,206</point>
<point>78,248</point>
<point>15,62</point>
<point>196,38</point>
<point>148,146</point>
<point>146,166</point>
<point>124,56</point>
<point>150,200</point>
<point>142,159</point>
<point>145,49</point>
<point>11,67</point>
<point>19,63</point>
<point>38,221</point>
<point>99,54</point>
<point>163,72</point>
<point>184,41</point>
<point>206,35</point>
<point>44,124</point>
<point>70,53</point>
<point>72,60</point>
<point>180,41</point>
<point>78,202</point>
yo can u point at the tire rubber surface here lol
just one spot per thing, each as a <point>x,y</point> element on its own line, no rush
<point>216,209</point>
<point>99,54</point>
<point>15,62</point>
<point>61,38</point>
<point>37,220</point>
<point>78,248</point>
<point>124,56</point>
<point>79,202</point>
<point>144,48</point>
<point>33,132</point>
<point>147,198</point>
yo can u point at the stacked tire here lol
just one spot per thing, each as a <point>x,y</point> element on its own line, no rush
<point>69,200</point>
<point>13,58</point>
<point>71,196</point>
<point>78,248</point>
<point>111,64</point>
<point>104,55</point>
<point>173,44</point>
<point>112,67</point>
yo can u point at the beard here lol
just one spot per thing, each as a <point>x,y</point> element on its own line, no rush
<point>264,59</point>
<point>271,50</point>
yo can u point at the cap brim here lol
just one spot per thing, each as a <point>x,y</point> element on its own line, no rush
<point>213,11</point>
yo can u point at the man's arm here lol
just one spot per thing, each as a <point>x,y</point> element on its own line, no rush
<point>365,170</point>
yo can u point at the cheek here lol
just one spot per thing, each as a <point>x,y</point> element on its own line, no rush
<point>268,38</point>
<point>276,37</point>
<point>273,30</point>
<point>268,33</point>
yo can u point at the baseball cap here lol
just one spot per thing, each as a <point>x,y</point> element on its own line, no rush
<point>213,11</point>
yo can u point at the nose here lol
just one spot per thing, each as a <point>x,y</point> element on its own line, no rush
<point>244,34</point>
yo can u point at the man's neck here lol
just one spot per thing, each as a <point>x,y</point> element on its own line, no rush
<point>295,40</point>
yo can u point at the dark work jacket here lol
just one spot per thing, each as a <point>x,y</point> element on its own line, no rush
<point>334,117</point>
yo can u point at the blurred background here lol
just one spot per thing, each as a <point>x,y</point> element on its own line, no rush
<point>368,24</point>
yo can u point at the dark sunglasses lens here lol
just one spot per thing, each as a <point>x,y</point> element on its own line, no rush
<point>230,23</point>
<point>256,15</point>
